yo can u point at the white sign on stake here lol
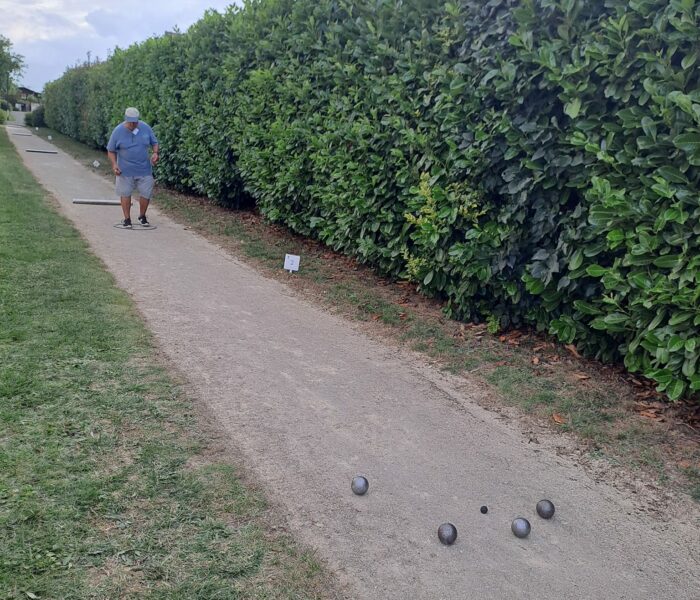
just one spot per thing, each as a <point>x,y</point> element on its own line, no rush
<point>291,262</point>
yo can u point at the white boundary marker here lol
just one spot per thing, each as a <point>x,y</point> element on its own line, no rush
<point>291,262</point>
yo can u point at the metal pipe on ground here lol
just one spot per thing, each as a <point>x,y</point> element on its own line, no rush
<point>97,202</point>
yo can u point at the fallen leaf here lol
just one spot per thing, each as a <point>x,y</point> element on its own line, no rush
<point>502,338</point>
<point>684,464</point>
<point>539,348</point>
<point>581,376</point>
<point>650,414</point>
<point>571,348</point>
<point>376,317</point>
<point>402,316</point>
<point>557,418</point>
<point>535,360</point>
<point>653,406</point>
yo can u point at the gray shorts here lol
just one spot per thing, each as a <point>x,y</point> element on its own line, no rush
<point>127,185</point>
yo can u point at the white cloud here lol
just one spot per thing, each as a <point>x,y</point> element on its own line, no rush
<point>55,34</point>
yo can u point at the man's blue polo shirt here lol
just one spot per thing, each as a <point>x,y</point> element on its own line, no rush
<point>131,149</point>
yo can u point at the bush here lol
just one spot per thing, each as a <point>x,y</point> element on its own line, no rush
<point>4,108</point>
<point>37,115</point>
<point>532,163</point>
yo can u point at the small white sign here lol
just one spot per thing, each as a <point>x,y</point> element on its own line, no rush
<point>95,163</point>
<point>49,138</point>
<point>291,262</point>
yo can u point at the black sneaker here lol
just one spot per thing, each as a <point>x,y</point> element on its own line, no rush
<point>126,223</point>
<point>144,221</point>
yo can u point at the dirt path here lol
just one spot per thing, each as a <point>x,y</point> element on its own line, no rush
<point>309,402</point>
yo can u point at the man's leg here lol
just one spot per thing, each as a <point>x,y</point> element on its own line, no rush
<point>145,189</point>
<point>143,206</point>
<point>126,206</point>
<point>125,187</point>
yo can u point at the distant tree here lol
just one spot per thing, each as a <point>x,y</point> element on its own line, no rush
<point>11,66</point>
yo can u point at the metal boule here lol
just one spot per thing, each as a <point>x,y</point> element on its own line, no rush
<point>520,527</point>
<point>545,509</point>
<point>484,510</point>
<point>359,485</point>
<point>447,533</point>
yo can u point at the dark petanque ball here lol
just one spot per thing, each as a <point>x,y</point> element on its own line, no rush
<point>359,485</point>
<point>447,533</point>
<point>545,509</point>
<point>484,510</point>
<point>520,527</point>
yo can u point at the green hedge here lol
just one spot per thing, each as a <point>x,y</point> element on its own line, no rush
<point>533,162</point>
<point>35,118</point>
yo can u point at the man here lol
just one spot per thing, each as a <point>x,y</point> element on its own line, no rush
<point>127,150</point>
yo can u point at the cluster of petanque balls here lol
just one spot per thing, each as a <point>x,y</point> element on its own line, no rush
<point>447,532</point>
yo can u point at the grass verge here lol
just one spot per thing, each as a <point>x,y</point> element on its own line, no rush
<point>612,414</point>
<point>110,485</point>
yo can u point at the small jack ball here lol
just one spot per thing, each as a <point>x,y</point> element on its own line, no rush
<point>545,509</point>
<point>359,485</point>
<point>447,533</point>
<point>484,510</point>
<point>520,527</point>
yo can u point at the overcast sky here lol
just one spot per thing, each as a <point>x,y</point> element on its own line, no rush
<point>54,34</point>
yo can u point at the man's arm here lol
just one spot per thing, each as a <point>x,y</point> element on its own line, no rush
<point>113,159</point>
<point>154,154</point>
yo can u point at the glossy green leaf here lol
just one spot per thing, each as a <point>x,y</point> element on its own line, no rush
<point>573,108</point>
<point>688,142</point>
<point>596,271</point>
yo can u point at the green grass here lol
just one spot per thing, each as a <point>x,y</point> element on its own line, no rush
<point>693,474</point>
<point>109,485</point>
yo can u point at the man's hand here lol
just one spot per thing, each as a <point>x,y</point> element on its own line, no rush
<point>116,170</point>
<point>154,158</point>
